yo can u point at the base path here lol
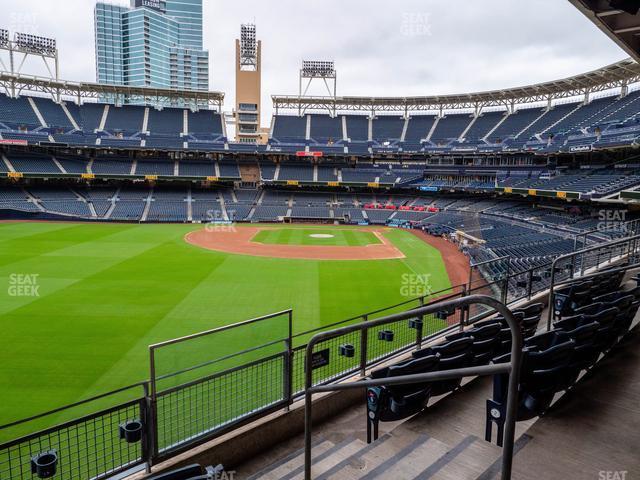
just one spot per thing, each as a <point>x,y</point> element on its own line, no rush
<point>239,241</point>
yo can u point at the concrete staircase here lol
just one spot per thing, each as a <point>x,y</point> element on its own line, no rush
<point>406,455</point>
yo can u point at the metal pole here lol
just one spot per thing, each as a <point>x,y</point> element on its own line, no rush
<point>153,402</point>
<point>364,336</point>
<point>530,285</point>
<point>148,440</point>
<point>419,330</point>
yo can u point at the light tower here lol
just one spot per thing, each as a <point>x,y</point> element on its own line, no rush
<point>14,53</point>
<point>248,87</point>
<point>318,70</point>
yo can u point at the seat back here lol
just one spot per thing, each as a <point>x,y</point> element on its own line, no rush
<point>454,348</point>
<point>607,297</point>
<point>411,367</point>
<point>590,309</point>
<point>531,310</point>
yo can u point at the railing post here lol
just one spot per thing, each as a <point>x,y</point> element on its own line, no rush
<point>419,330</point>
<point>148,421</point>
<point>288,365</point>
<point>153,408</point>
<point>530,284</point>
<point>363,348</point>
<point>505,293</point>
<point>466,316</point>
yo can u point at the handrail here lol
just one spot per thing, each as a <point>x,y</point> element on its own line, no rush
<point>512,368</point>
<point>573,255</point>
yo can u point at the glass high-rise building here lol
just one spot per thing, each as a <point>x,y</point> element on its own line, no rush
<point>152,43</point>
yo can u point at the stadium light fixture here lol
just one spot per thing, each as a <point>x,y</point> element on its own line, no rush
<point>34,44</point>
<point>318,69</point>
<point>248,45</point>
<point>4,37</point>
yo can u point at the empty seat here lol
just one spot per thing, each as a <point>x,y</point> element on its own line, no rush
<point>607,332</point>
<point>583,332</point>
<point>486,342</point>
<point>453,355</point>
<point>395,402</point>
<point>546,370</point>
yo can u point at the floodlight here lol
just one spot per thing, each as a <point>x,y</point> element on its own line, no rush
<point>35,44</point>
<point>318,69</point>
<point>248,44</point>
<point>4,38</point>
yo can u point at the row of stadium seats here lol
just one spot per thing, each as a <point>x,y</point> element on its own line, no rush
<point>602,123</point>
<point>437,215</point>
<point>553,361</point>
<point>88,118</point>
<point>476,346</point>
<point>490,128</point>
<point>595,182</point>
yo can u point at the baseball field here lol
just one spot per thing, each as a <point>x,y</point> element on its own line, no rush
<point>80,303</point>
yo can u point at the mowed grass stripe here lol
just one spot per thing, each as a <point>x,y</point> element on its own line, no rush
<point>93,321</point>
<point>92,335</point>
<point>52,275</point>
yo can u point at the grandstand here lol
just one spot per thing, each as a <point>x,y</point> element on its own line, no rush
<point>519,205</point>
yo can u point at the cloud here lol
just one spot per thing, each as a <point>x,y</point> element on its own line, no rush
<point>406,47</point>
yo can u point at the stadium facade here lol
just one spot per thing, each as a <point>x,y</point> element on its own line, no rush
<point>151,44</point>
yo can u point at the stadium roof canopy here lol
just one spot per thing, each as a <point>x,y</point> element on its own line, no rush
<point>14,85</point>
<point>621,26</point>
<point>618,75</point>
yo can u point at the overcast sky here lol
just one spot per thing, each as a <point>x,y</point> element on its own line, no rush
<point>381,47</point>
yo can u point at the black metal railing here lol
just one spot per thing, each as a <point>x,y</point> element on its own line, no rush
<point>344,334</point>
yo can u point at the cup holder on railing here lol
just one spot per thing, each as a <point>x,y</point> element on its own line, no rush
<point>415,323</point>
<point>385,335</point>
<point>131,431</point>
<point>347,350</point>
<point>44,465</point>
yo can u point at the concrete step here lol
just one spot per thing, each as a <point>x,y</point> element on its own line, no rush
<point>466,461</point>
<point>403,463</point>
<point>293,463</point>
<point>348,449</point>
<point>406,456</point>
<point>371,457</point>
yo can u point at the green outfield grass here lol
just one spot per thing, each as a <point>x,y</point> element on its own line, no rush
<point>303,236</point>
<point>80,303</point>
